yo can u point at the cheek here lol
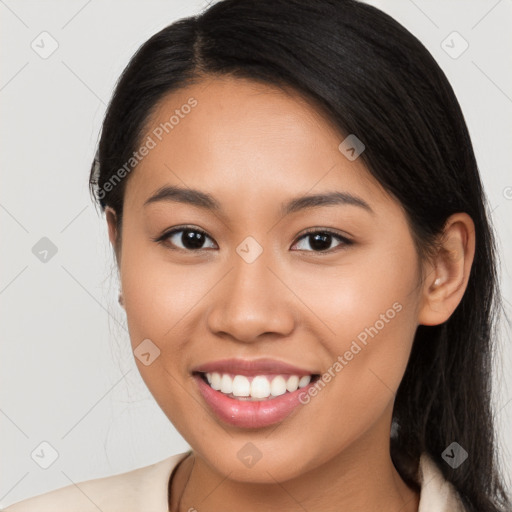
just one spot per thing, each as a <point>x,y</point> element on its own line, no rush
<point>369,286</point>
<point>159,298</point>
<point>158,294</point>
<point>366,312</point>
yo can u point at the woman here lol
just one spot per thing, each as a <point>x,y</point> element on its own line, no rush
<point>307,267</point>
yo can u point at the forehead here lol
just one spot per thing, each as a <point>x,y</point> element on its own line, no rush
<point>232,136</point>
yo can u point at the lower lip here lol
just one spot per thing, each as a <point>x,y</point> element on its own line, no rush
<point>250,414</point>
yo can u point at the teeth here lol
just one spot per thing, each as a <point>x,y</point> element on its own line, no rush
<point>304,381</point>
<point>258,387</point>
<point>292,383</point>
<point>214,379</point>
<point>278,386</point>
<point>226,384</point>
<point>241,386</point>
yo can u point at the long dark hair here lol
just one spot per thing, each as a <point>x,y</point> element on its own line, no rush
<point>374,79</point>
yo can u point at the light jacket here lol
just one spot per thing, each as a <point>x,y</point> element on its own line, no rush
<point>145,490</point>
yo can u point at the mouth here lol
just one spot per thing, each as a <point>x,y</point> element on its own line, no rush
<point>250,395</point>
<point>255,388</point>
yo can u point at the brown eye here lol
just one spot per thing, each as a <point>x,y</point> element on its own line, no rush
<point>186,238</point>
<point>321,241</point>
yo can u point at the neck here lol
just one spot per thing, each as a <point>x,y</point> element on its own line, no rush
<point>362,477</point>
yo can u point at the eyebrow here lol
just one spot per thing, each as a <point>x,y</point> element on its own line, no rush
<point>325,199</point>
<point>208,202</point>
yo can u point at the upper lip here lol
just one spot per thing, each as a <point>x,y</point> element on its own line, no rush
<point>251,367</point>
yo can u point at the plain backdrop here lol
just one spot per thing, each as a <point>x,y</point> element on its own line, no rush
<point>68,376</point>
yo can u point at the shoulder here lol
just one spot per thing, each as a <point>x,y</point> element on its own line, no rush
<point>143,488</point>
<point>437,493</point>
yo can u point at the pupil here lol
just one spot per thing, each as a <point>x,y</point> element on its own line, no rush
<point>319,241</point>
<point>192,239</point>
<point>195,240</point>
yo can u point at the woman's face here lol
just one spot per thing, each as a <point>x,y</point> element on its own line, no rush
<point>255,286</point>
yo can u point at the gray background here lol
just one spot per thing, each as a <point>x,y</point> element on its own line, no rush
<point>68,377</point>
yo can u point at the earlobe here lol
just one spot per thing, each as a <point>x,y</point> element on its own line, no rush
<point>448,277</point>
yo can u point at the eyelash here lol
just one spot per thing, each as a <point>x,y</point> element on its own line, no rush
<point>163,238</point>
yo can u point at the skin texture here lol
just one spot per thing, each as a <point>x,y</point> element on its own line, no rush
<point>254,147</point>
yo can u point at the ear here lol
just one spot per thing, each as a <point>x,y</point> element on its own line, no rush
<point>448,275</point>
<point>112,229</point>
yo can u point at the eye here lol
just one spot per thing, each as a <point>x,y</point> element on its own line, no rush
<point>321,240</point>
<point>188,238</point>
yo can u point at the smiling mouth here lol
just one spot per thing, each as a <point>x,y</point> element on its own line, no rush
<point>256,388</point>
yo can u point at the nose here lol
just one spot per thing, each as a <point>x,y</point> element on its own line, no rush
<point>252,301</point>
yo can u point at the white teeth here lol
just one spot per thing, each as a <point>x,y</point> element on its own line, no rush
<point>215,380</point>
<point>226,384</point>
<point>258,387</point>
<point>304,381</point>
<point>278,386</point>
<point>241,386</point>
<point>292,383</point>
